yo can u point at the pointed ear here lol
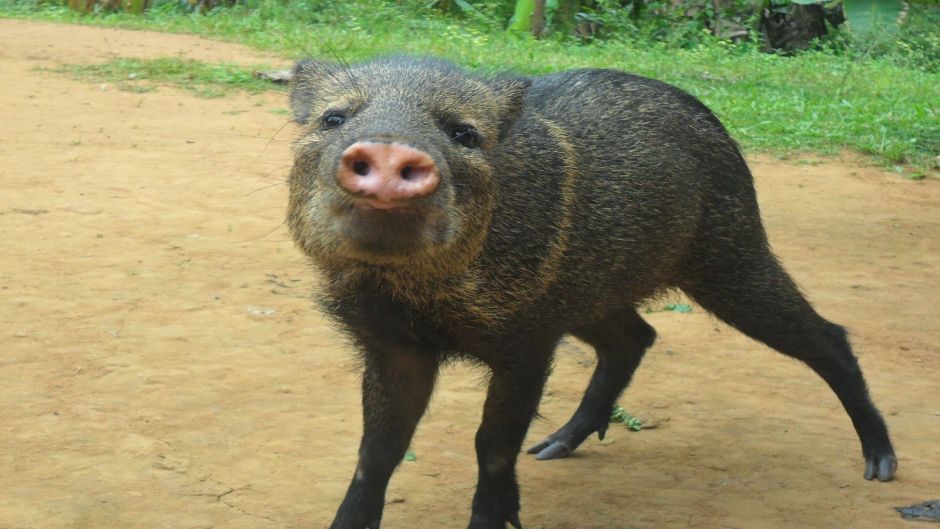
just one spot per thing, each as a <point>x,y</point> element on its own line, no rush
<point>510,91</point>
<point>306,81</point>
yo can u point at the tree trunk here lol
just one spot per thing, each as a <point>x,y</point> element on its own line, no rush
<point>538,19</point>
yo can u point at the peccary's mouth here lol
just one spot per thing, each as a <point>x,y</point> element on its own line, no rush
<point>388,230</point>
<point>391,207</point>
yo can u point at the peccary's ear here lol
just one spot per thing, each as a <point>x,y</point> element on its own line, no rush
<point>306,82</point>
<point>510,92</point>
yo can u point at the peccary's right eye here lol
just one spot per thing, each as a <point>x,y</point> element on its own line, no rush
<point>332,120</point>
<point>465,135</point>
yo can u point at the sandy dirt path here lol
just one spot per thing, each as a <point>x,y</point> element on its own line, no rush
<point>163,366</point>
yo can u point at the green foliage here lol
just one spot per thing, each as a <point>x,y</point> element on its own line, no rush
<point>867,16</point>
<point>681,308</point>
<point>138,75</point>
<point>620,416</point>
<point>914,44</point>
<point>918,41</point>
<point>521,20</point>
<point>880,99</point>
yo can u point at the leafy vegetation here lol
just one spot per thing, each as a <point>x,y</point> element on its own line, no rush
<point>681,308</point>
<point>879,96</point>
<point>141,75</point>
<point>619,415</point>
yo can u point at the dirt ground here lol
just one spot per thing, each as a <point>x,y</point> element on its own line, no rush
<point>163,365</point>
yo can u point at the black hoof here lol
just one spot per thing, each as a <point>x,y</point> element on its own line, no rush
<point>478,523</point>
<point>566,440</point>
<point>549,449</point>
<point>882,467</point>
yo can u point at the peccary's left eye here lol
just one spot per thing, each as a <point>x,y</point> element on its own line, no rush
<point>333,119</point>
<point>465,135</point>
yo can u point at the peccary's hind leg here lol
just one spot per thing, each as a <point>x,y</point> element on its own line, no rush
<point>620,342</point>
<point>747,288</point>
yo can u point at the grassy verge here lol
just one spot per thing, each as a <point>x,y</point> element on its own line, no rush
<point>143,75</point>
<point>820,101</point>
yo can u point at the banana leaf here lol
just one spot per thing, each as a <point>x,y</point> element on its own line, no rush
<point>522,17</point>
<point>873,15</point>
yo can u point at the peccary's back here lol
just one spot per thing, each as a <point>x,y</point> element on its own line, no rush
<point>610,177</point>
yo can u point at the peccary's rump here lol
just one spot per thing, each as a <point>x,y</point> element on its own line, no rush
<point>486,217</point>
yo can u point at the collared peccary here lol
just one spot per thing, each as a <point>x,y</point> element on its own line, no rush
<point>484,217</point>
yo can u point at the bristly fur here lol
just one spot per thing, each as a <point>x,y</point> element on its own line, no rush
<point>583,194</point>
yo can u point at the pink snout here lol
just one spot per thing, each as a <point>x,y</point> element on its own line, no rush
<point>386,175</point>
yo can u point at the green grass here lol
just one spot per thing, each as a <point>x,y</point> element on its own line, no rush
<point>821,101</point>
<point>142,75</point>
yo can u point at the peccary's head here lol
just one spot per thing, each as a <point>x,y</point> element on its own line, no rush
<point>394,167</point>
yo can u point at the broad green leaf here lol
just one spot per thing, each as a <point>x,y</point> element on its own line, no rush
<point>522,18</point>
<point>872,15</point>
<point>465,6</point>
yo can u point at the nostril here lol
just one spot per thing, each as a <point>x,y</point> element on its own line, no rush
<point>386,172</point>
<point>361,167</point>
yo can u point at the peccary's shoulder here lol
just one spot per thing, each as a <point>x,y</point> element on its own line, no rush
<point>589,92</point>
<point>596,81</point>
<point>618,119</point>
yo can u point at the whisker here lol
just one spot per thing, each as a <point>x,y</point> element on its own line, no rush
<point>269,186</point>
<point>271,140</point>
<point>269,232</point>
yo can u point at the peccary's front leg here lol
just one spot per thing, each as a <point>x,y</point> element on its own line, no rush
<point>396,386</point>
<point>511,403</point>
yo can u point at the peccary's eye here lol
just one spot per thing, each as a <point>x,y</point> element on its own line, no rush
<point>333,119</point>
<point>466,136</point>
